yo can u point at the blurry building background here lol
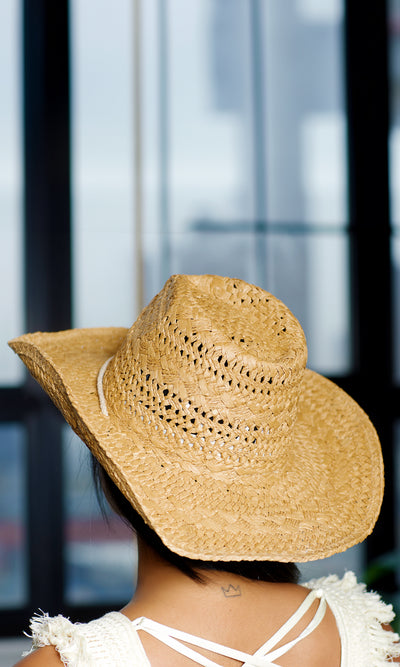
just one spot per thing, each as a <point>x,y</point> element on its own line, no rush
<point>258,139</point>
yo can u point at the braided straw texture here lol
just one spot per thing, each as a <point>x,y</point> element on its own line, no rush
<point>216,432</point>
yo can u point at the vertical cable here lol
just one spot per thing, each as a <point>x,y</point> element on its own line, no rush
<point>164,129</point>
<point>138,163</point>
<point>258,144</point>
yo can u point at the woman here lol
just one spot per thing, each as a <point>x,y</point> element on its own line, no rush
<point>232,461</point>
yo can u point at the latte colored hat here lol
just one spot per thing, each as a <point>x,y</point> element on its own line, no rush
<point>205,416</point>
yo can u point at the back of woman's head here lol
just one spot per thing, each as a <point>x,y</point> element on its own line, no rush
<point>256,570</point>
<point>206,417</point>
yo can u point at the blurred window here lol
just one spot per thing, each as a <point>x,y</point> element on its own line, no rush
<point>13,566</point>
<point>242,165</point>
<point>95,544</point>
<point>11,233</point>
<point>102,157</point>
<point>207,137</point>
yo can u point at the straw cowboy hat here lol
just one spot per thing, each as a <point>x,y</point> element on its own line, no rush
<point>205,416</point>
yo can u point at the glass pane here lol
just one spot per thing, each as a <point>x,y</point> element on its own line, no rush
<point>235,137</point>
<point>13,575</point>
<point>210,73</point>
<point>305,134</point>
<point>353,559</point>
<point>228,252</point>
<point>100,556</point>
<point>11,263</point>
<point>102,176</point>
<point>310,273</point>
<point>394,135</point>
<point>196,101</point>
<point>208,109</point>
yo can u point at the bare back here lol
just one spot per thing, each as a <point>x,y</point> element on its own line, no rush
<point>247,621</point>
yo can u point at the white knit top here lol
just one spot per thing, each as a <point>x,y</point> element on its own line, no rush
<point>113,640</point>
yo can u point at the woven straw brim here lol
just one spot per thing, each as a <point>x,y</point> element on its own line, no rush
<point>324,499</point>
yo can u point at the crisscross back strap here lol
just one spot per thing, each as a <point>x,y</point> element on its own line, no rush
<point>265,649</point>
<point>173,638</point>
<point>263,657</point>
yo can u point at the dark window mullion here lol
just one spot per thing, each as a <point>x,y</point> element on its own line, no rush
<point>367,108</point>
<point>48,272</point>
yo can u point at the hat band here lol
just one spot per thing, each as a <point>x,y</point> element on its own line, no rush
<point>100,390</point>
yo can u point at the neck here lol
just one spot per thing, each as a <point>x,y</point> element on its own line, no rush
<point>162,586</point>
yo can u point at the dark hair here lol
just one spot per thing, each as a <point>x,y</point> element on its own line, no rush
<point>271,571</point>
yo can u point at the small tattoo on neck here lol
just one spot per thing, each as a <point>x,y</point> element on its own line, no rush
<point>231,591</point>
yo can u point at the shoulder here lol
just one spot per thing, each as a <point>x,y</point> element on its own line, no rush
<point>53,639</point>
<point>352,596</point>
<point>46,656</point>
<point>362,617</point>
<point>57,641</point>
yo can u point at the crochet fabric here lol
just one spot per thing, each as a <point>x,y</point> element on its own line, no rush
<point>113,641</point>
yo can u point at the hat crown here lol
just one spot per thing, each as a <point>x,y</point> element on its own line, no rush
<point>212,366</point>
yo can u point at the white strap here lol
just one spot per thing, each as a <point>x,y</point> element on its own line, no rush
<point>290,623</point>
<point>316,620</point>
<point>100,391</point>
<point>169,636</point>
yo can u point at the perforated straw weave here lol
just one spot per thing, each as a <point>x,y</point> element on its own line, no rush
<point>210,424</point>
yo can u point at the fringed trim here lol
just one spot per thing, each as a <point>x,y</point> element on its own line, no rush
<point>366,606</point>
<point>59,632</point>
